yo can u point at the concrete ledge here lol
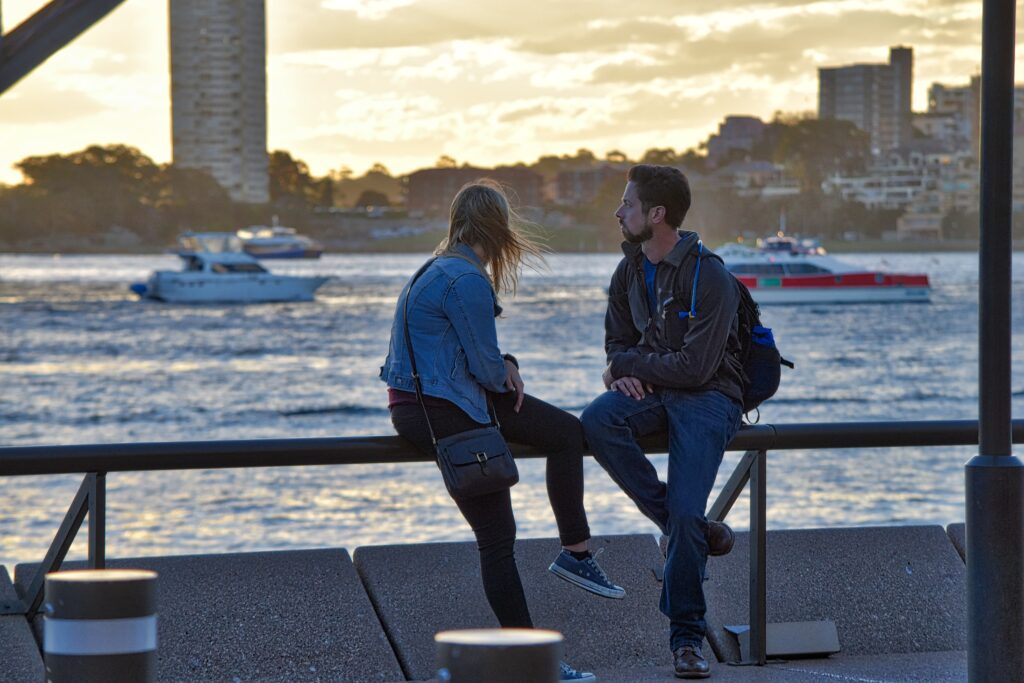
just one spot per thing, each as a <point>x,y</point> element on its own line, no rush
<point>22,660</point>
<point>888,589</point>
<point>271,616</point>
<point>958,536</point>
<point>932,667</point>
<point>422,589</point>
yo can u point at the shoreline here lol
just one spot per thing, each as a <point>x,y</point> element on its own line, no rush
<point>418,245</point>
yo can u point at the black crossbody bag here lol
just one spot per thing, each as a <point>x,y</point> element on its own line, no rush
<point>475,462</point>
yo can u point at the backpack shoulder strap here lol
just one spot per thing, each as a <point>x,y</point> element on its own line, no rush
<point>700,253</point>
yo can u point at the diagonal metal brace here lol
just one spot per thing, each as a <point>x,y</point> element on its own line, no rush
<point>61,543</point>
<point>39,37</point>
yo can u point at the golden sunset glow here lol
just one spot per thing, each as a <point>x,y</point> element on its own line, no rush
<point>402,82</point>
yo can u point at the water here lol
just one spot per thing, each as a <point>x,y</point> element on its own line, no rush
<point>81,361</point>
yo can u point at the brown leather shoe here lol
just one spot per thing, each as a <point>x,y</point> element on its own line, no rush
<point>720,538</point>
<point>690,663</point>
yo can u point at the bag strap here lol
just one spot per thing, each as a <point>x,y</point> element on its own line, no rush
<point>692,313</point>
<point>412,357</point>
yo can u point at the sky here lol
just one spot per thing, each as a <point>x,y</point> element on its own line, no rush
<point>402,82</point>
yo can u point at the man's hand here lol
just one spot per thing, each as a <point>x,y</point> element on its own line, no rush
<point>607,377</point>
<point>514,383</point>
<point>631,386</point>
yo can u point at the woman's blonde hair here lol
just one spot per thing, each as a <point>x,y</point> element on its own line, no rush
<point>481,215</point>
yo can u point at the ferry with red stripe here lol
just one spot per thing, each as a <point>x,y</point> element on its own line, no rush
<point>783,271</point>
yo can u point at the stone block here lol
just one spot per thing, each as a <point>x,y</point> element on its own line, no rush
<point>267,616</point>
<point>958,536</point>
<point>421,589</point>
<point>19,652</point>
<point>888,589</point>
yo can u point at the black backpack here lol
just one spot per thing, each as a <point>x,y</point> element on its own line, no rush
<point>759,356</point>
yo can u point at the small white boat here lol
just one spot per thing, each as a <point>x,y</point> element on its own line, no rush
<point>216,270</point>
<point>786,271</point>
<point>277,241</point>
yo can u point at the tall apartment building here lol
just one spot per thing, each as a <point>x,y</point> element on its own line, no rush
<point>219,93</point>
<point>874,97</point>
<point>962,105</point>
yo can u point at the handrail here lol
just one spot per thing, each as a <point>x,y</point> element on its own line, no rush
<point>361,450</point>
<point>96,460</point>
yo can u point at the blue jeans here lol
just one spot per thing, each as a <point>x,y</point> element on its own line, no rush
<point>700,426</point>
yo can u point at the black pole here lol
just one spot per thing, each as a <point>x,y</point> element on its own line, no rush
<point>995,478</point>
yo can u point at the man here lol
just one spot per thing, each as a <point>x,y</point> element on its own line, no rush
<point>672,366</point>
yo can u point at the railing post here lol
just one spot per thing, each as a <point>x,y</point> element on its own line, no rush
<point>994,479</point>
<point>97,519</point>
<point>758,534</point>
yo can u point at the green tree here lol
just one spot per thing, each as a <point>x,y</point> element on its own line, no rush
<point>616,157</point>
<point>191,199</point>
<point>93,189</point>
<point>812,148</point>
<point>290,180</point>
<point>371,198</point>
<point>662,157</point>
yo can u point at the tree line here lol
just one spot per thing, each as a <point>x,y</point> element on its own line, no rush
<point>82,196</point>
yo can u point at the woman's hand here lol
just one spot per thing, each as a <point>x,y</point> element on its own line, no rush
<point>514,383</point>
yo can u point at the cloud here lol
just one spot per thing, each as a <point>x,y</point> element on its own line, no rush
<point>33,103</point>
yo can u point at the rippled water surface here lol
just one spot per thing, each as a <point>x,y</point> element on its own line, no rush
<point>81,361</point>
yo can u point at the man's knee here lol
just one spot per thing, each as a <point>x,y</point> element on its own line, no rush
<point>600,414</point>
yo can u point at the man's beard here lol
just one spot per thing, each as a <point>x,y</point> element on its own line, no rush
<point>638,238</point>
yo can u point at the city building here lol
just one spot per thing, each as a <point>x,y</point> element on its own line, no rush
<point>874,97</point>
<point>735,133</point>
<point>218,93</point>
<point>581,185</point>
<point>923,180</point>
<point>960,105</point>
<point>429,192</point>
<point>755,178</point>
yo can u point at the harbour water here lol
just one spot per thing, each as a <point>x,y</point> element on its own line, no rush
<point>81,361</point>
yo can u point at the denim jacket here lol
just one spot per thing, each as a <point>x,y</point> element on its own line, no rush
<point>452,308</point>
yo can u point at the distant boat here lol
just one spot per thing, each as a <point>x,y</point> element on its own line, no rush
<point>216,270</point>
<point>277,241</point>
<point>787,271</point>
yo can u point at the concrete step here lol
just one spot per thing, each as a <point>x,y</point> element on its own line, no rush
<point>268,616</point>
<point>889,590</point>
<point>425,588</point>
<point>21,659</point>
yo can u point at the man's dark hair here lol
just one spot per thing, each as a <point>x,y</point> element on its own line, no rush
<point>662,186</point>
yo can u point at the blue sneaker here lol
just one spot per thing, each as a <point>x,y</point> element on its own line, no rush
<point>567,673</point>
<point>587,574</point>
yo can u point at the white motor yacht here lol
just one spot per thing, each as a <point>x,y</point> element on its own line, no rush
<point>216,270</point>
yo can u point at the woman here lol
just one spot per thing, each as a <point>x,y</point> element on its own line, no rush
<point>452,307</point>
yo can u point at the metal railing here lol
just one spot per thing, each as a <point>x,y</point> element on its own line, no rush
<point>95,461</point>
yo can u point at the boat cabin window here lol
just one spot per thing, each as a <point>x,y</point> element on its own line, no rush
<point>804,269</point>
<point>237,268</point>
<point>192,263</point>
<point>756,269</point>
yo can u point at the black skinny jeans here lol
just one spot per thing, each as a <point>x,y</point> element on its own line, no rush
<point>537,424</point>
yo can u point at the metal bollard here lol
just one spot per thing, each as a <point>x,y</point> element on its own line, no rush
<point>99,625</point>
<point>498,655</point>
